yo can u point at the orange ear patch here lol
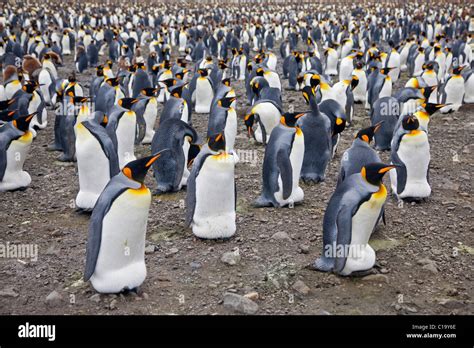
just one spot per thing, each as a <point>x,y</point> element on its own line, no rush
<point>365,138</point>
<point>128,172</point>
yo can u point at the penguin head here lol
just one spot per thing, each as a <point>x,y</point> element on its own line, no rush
<point>127,103</point>
<point>203,72</point>
<point>410,123</point>
<point>4,104</point>
<point>216,142</point>
<point>307,93</point>
<point>149,91</point>
<point>177,90</point>
<point>109,63</point>
<point>169,82</point>
<point>354,82</point>
<point>136,170</point>
<point>23,123</point>
<point>260,71</point>
<point>78,100</point>
<point>114,81</point>
<point>226,102</point>
<point>249,120</point>
<point>457,70</point>
<point>367,134</point>
<point>29,87</point>
<point>374,172</point>
<point>426,91</point>
<point>132,68</point>
<point>226,81</point>
<point>223,65</point>
<point>100,70</point>
<point>431,108</point>
<point>385,71</point>
<point>289,119</point>
<point>315,81</point>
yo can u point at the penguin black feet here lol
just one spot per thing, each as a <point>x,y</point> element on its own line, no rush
<point>358,274</point>
<point>53,147</point>
<point>261,202</point>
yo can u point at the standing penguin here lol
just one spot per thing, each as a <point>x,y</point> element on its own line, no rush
<point>316,128</point>
<point>146,110</point>
<point>177,136</point>
<point>451,92</point>
<point>223,119</point>
<point>411,154</point>
<point>97,162</point>
<point>211,193</point>
<point>122,130</point>
<point>204,92</point>
<point>359,154</point>
<point>282,164</point>
<point>350,218</point>
<point>15,142</point>
<point>116,242</point>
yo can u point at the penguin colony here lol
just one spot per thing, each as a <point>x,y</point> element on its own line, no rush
<point>158,67</point>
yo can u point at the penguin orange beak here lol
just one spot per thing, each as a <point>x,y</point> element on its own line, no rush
<point>134,101</point>
<point>152,160</point>
<point>377,126</point>
<point>386,169</point>
<point>299,115</point>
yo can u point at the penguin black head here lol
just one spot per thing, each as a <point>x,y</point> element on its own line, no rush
<point>223,65</point>
<point>29,87</point>
<point>354,82</point>
<point>431,108</point>
<point>132,68</point>
<point>149,92</point>
<point>315,80</point>
<point>216,142</point>
<point>457,70</point>
<point>249,120</point>
<point>300,79</point>
<point>410,123</point>
<point>169,82</point>
<point>385,71</point>
<point>79,100</point>
<point>289,119</point>
<point>374,172</point>
<point>226,81</point>
<point>177,90</point>
<point>109,63</point>
<point>226,102</point>
<point>180,75</point>
<point>203,72</point>
<point>260,72</point>
<point>127,103</point>
<point>339,125</point>
<point>367,134</point>
<point>307,93</point>
<point>23,123</point>
<point>4,104</point>
<point>136,170</point>
<point>6,115</point>
<point>426,91</point>
<point>100,70</point>
<point>114,82</point>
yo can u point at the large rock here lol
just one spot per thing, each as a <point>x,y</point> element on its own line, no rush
<point>231,257</point>
<point>54,299</point>
<point>240,304</point>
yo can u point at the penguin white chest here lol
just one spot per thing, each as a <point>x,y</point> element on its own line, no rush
<point>454,90</point>
<point>269,117</point>
<point>204,95</point>
<point>214,214</point>
<point>360,255</point>
<point>414,152</point>
<point>121,260</point>
<point>151,111</point>
<point>93,168</point>
<point>230,129</point>
<point>126,138</point>
<point>15,177</point>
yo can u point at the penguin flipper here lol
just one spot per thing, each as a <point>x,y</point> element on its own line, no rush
<point>3,156</point>
<point>114,189</point>
<point>401,172</point>
<point>344,237</point>
<point>286,172</point>
<point>191,188</point>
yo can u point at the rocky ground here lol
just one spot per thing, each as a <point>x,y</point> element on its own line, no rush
<point>424,253</point>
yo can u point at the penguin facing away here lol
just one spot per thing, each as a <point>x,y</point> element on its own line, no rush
<point>116,242</point>
<point>282,164</point>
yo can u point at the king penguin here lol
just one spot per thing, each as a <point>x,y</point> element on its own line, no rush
<point>211,193</point>
<point>15,142</point>
<point>179,138</point>
<point>116,243</point>
<point>97,162</point>
<point>411,154</point>
<point>204,92</point>
<point>282,164</point>
<point>350,218</point>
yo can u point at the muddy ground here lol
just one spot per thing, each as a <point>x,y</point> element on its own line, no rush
<point>424,253</point>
